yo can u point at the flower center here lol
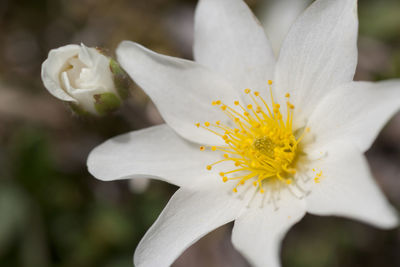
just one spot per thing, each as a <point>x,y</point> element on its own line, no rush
<point>261,143</point>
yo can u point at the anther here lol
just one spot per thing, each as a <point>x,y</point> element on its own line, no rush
<point>269,82</point>
<point>207,124</point>
<point>287,95</point>
<point>209,167</point>
<point>236,103</point>
<point>202,148</point>
<point>247,90</point>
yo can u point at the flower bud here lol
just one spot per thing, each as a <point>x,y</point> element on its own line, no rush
<point>89,81</point>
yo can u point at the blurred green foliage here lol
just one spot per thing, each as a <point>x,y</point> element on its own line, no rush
<point>53,218</point>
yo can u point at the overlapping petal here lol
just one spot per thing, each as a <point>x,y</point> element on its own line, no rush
<point>258,232</point>
<point>156,152</point>
<point>230,40</point>
<point>189,215</point>
<point>355,112</point>
<point>182,90</point>
<point>347,189</point>
<point>277,16</point>
<point>319,53</point>
<point>51,68</point>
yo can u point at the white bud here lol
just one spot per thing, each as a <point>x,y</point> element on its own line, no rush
<point>83,77</point>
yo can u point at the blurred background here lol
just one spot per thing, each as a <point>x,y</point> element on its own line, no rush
<point>53,213</point>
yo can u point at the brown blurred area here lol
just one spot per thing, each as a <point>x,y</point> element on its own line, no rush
<point>53,213</point>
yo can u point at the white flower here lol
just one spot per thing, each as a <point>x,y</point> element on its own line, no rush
<point>303,156</point>
<point>83,77</point>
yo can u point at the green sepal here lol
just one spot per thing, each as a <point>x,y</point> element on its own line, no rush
<point>78,110</point>
<point>106,103</point>
<point>121,79</point>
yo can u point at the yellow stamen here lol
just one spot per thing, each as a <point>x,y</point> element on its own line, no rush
<point>318,177</point>
<point>262,145</point>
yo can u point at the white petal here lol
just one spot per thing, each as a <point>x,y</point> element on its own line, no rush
<point>156,152</point>
<point>319,53</point>
<point>277,16</point>
<point>182,90</point>
<point>258,232</point>
<point>348,189</point>
<point>88,55</point>
<point>189,215</point>
<point>355,113</point>
<point>230,40</point>
<point>97,71</point>
<point>51,68</point>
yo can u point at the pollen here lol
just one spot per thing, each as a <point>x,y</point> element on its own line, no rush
<point>260,142</point>
<point>317,177</point>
